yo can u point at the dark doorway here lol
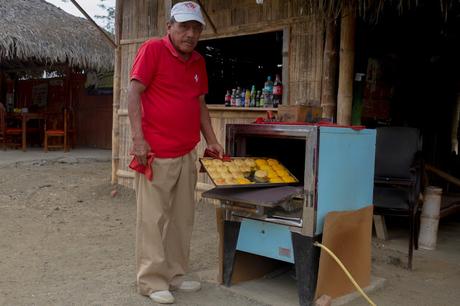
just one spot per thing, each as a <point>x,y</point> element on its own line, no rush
<point>241,61</point>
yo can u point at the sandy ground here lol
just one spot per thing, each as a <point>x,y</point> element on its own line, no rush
<point>66,241</point>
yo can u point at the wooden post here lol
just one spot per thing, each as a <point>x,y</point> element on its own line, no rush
<point>454,128</point>
<point>346,68</point>
<point>106,36</point>
<point>328,92</point>
<point>116,92</point>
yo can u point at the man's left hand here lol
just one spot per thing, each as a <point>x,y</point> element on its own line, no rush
<point>217,148</point>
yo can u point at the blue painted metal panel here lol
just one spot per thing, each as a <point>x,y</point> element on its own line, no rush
<point>266,239</point>
<point>345,171</point>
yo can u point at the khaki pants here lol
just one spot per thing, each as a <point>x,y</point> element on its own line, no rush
<point>165,215</point>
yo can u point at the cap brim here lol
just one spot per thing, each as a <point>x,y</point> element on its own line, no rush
<point>188,17</point>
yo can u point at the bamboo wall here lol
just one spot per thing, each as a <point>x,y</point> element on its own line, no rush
<point>302,51</point>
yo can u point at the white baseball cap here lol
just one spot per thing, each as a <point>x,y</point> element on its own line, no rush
<point>186,11</point>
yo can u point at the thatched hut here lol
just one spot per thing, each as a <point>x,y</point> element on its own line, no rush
<point>36,32</point>
<point>36,36</point>
<point>320,46</point>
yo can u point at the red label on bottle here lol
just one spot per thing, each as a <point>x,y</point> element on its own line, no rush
<point>277,90</point>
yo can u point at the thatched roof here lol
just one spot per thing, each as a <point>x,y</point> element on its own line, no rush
<point>35,31</point>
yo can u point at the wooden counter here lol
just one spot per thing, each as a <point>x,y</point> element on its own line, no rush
<point>221,116</point>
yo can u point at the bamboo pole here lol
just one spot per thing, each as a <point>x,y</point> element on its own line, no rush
<point>346,67</point>
<point>442,174</point>
<point>454,128</point>
<point>328,93</point>
<point>106,36</point>
<point>116,92</point>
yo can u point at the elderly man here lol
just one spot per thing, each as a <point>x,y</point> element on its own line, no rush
<point>167,111</point>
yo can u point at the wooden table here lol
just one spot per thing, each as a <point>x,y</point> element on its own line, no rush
<point>24,117</point>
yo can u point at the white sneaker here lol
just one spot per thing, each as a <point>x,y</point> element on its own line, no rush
<point>162,297</point>
<point>189,286</point>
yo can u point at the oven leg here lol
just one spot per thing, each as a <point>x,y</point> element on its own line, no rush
<point>231,232</point>
<point>306,258</point>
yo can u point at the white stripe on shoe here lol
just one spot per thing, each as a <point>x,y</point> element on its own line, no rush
<point>162,297</point>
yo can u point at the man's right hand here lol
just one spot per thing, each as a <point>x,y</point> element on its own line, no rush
<point>140,150</point>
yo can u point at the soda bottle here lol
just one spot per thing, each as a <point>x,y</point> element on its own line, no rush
<point>238,97</point>
<point>277,91</point>
<point>262,98</point>
<point>252,102</point>
<point>228,99</point>
<point>247,98</point>
<point>233,98</point>
<point>268,88</point>
<point>258,98</point>
<point>242,97</point>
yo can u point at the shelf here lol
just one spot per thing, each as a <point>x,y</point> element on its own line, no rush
<point>220,107</point>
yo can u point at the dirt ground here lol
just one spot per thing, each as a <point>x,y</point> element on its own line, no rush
<point>66,241</point>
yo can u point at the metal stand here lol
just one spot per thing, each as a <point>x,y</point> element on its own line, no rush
<point>231,232</point>
<point>306,257</point>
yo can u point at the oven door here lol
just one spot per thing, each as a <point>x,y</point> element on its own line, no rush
<point>295,146</point>
<point>282,205</point>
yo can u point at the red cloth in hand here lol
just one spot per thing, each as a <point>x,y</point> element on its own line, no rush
<point>144,169</point>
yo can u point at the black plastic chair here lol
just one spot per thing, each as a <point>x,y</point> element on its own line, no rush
<point>398,176</point>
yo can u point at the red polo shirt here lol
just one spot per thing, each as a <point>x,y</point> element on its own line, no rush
<point>170,104</point>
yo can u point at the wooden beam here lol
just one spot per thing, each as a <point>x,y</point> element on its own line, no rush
<point>207,16</point>
<point>134,41</point>
<point>107,37</point>
<point>117,91</point>
<point>346,67</point>
<point>449,178</point>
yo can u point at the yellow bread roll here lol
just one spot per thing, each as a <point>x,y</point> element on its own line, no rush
<point>264,167</point>
<point>226,175</point>
<point>260,162</point>
<point>243,181</point>
<point>219,181</point>
<point>288,179</point>
<point>249,162</point>
<point>207,162</point>
<point>233,168</point>
<point>217,162</point>
<point>276,180</point>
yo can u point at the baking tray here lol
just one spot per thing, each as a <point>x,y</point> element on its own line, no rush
<point>231,174</point>
<point>267,197</point>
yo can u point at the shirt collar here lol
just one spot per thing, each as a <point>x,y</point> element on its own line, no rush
<point>168,44</point>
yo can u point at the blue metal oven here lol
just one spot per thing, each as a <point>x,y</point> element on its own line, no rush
<point>335,167</point>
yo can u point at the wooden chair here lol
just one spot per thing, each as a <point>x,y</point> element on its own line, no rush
<point>398,178</point>
<point>56,128</point>
<point>9,136</point>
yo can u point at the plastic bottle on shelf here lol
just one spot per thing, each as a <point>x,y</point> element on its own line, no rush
<point>252,102</point>
<point>238,97</point>
<point>277,91</point>
<point>233,98</point>
<point>258,94</point>
<point>228,99</point>
<point>262,98</point>
<point>268,88</point>
<point>242,97</point>
<point>247,98</point>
